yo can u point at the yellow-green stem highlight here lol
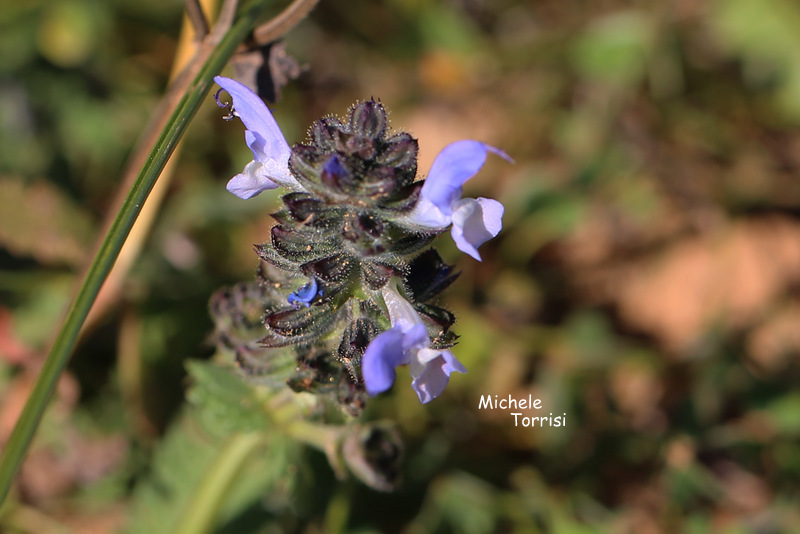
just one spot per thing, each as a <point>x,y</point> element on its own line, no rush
<point>201,511</point>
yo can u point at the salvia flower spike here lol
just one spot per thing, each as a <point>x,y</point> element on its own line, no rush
<point>348,272</point>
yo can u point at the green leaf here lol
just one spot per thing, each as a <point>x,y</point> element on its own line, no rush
<point>615,48</point>
<point>782,413</point>
<point>764,34</point>
<point>226,402</point>
<point>188,460</point>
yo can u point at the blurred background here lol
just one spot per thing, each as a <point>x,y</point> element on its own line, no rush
<point>646,283</point>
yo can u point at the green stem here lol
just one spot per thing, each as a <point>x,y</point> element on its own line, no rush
<point>17,445</point>
<point>201,510</point>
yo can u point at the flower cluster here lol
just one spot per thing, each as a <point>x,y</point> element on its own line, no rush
<point>348,270</point>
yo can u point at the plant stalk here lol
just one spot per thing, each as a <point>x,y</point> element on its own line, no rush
<point>22,435</point>
<point>201,511</point>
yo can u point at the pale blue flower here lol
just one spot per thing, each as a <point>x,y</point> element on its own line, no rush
<point>270,166</point>
<point>474,221</point>
<point>407,343</point>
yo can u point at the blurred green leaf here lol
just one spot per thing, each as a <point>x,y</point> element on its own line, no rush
<point>39,314</point>
<point>69,30</point>
<point>444,27</point>
<point>615,48</point>
<point>222,405</point>
<point>226,402</point>
<point>764,33</point>
<point>782,412</point>
<point>592,342</point>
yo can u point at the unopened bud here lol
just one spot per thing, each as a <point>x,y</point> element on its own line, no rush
<point>373,454</point>
<point>368,119</point>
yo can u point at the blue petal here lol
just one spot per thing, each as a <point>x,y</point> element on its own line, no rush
<point>305,294</point>
<point>437,366</point>
<point>383,354</point>
<point>476,221</point>
<point>271,152</point>
<point>415,337</point>
<point>255,115</point>
<point>333,171</point>
<point>454,165</point>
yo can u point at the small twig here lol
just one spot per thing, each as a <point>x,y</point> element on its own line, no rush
<point>181,82</point>
<point>158,119</point>
<point>285,21</point>
<point>272,30</point>
<point>16,447</point>
<point>226,15</point>
<point>198,19</point>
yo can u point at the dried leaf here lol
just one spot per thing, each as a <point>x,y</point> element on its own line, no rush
<point>39,221</point>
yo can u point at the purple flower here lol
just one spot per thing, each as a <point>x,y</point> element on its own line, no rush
<point>407,343</point>
<point>270,166</point>
<point>305,295</point>
<point>474,221</point>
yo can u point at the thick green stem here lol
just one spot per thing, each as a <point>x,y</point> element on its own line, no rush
<point>201,511</point>
<point>17,445</point>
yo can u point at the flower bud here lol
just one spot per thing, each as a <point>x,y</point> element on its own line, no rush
<point>296,326</point>
<point>368,119</point>
<point>336,268</point>
<point>373,454</point>
<point>378,183</point>
<point>375,275</point>
<point>299,248</point>
<point>400,153</point>
<point>303,206</point>
<point>323,132</point>
<point>402,200</point>
<point>355,338</point>
<point>355,145</point>
<point>335,175</point>
<point>428,275</point>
